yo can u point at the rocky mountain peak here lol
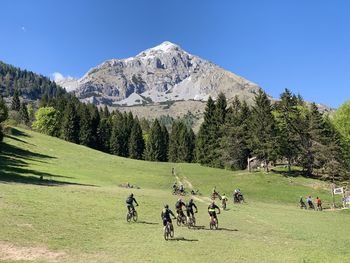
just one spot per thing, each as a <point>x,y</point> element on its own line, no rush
<point>162,73</point>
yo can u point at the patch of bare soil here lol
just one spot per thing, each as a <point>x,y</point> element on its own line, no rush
<point>10,251</point>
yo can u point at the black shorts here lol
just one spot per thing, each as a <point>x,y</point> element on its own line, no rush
<point>212,214</point>
<point>130,207</point>
<point>179,211</point>
<point>166,220</point>
<point>189,212</point>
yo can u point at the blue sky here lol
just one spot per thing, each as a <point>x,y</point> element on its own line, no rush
<point>296,44</point>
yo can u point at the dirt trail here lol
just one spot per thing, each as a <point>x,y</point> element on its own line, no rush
<point>10,251</point>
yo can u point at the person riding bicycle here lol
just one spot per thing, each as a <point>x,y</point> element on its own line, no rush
<point>211,210</point>
<point>165,215</point>
<point>181,189</point>
<point>318,202</point>
<point>130,202</point>
<point>224,200</point>
<point>174,187</point>
<point>238,195</point>
<point>189,208</point>
<point>302,203</point>
<point>179,204</point>
<point>309,202</point>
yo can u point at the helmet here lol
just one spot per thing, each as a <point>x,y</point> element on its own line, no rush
<point>191,200</point>
<point>166,206</point>
<point>179,199</point>
<point>224,194</point>
<point>213,202</point>
<point>132,195</point>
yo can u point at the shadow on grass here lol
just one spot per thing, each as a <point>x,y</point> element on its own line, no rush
<point>17,139</point>
<point>183,239</point>
<point>14,166</point>
<point>147,223</point>
<point>294,174</point>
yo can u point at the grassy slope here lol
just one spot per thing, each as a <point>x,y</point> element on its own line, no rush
<point>82,213</point>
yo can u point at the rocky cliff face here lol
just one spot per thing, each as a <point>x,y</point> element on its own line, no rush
<point>163,73</point>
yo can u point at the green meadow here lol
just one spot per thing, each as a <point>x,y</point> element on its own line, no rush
<point>77,212</point>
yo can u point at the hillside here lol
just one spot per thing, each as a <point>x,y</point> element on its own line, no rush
<point>77,213</point>
<point>31,86</point>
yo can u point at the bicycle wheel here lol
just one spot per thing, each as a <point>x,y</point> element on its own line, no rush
<point>166,233</point>
<point>134,216</point>
<point>178,221</point>
<point>216,224</point>
<point>128,217</point>
<point>171,231</point>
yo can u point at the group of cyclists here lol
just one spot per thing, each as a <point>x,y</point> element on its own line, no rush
<point>310,203</point>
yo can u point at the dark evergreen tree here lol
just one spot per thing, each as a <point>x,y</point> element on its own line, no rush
<point>155,147</point>
<point>95,121</point>
<point>104,134</point>
<point>136,143</point>
<point>263,129</point>
<point>23,113</point>
<point>287,115</point>
<point>164,143</point>
<point>85,126</point>
<point>206,135</point>
<point>174,143</point>
<point>70,126</point>
<point>16,103</point>
<point>3,110</point>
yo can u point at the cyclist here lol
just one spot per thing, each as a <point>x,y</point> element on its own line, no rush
<point>319,203</point>
<point>165,215</point>
<point>189,208</point>
<point>179,204</point>
<point>211,210</point>
<point>182,189</point>
<point>129,202</point>
<point>224,201</point>
<point>309,202</point>
<point>302,203</point>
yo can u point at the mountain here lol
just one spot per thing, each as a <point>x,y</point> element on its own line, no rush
<point>160,74</point>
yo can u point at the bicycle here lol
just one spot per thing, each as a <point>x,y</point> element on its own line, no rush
<point>191,222</point>
<point>132,214</point>
<point>214,223</point>
<point>168,231</point>
<point>181,219</point>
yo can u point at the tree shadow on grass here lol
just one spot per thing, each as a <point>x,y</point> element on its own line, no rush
<point>183,239</point>
<point>295,174</point>
<point>14,166</point>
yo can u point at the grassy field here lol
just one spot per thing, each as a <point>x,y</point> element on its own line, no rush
<point>77,213</point>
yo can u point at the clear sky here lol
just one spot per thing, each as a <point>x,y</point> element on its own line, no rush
<point>303,45</point>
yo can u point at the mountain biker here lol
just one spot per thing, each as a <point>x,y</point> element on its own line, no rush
<point>309,202</point>
<point>318,202</point>
<point>189,208</point>
<point>224,200</point>
<point>182,189</point>
<point>129,202</point>
<point>302,203</point>
<point>179,204</point>
<point>165,215</point>
<point>211,210</point>
<point>174,187</point>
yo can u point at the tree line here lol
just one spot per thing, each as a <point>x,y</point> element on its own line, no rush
<point>288,131</point>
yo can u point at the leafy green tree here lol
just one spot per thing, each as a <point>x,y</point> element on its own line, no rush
<point>70,129</point>
<point>136,143</point>
<point>341,121</point>
<point>46,121</point>
<point>16,103</point>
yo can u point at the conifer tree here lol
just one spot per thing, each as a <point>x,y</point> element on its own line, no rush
<point>3,116</point>
<point>174,143</point>
<point>155,145</point>
<point>70,127</point>
<point>263,129</point>
<point>136,143</point>
<point>16,103</point>
<point>104,135</point>
<point>85,126</point>
<point>23,113</point>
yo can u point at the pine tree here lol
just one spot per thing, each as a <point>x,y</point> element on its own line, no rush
<point>136,143</point>
<point>206,135</point>
<point>3,110</point>
<point>23,113</point>
<point>155,145</point>
<point>85,126</point>
<point>16,103</point>
<point>174,143</point>
<point>164,144</point>
<point>70,127</point>
<point>95,121</point>
<point>286,118</point>
<point>104,135</point>
<point>262,129</point>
